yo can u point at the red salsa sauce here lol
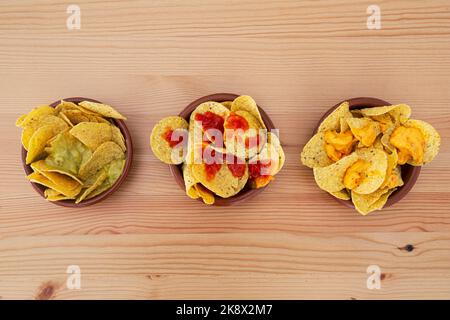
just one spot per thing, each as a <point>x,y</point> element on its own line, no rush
<point>167,135</point>
<point>237,169</point>
<point>210,120</point>
<point>255,169</point>
<point>250,143</point>
<point>236,122</point>
<point>211,167</point>
<point>211,170</point>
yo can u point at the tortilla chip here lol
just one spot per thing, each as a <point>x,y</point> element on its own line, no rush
<point>35,115</point>
<point>205,108</point>
<point>246,103</point>
<point>118,137</point>
<point>330,178</point>
<point>273,139</point>
<point>343,125</point>
<point>67,154</point>
<point>376,172</point>
<point>65,105</point>
<point>269,154</point>
<point>66,119</point>
<point>98,181</point>
<point>314,154</point>
<point>45,169</point>
<point>20,120</point>
<point>61,188</point>
<point>366,203</point>
<point>43,120</point>
<point>159,140</point>
<point>114,171</point>
<point>39,140</point>
<point>243,143</point>
<point>74,116</point>
<point>223,183</point>
<point>103,109</point>
<point>53,195</point>
<point>365,130</point>
<point>385,120</point>
<point>206,195</point>
<point>332,121</point>
<point>227,104</point>
<point>102,156</point>
<point>400,112</point>
<point>63,182</point>
<point>189,182</point>
<point>343,194</point>
<point>92,134</point>
<point>385,139</point>
<point>432,140</point>
<point>391,164</point>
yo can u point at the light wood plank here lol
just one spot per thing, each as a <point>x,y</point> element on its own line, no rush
<point>239,265</point>
<point>150,59</point>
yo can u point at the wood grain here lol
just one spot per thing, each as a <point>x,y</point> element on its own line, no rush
<point>149,59</point>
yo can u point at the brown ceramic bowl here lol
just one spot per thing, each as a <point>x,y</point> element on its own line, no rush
<point>129,158</point>
<point>177,172</point>
<point>409,173</point>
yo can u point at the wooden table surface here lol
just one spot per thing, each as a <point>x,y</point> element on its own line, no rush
<point>149,59</point>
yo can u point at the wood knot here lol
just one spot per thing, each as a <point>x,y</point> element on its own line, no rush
<point>408,248</point>
<point>46,291</point>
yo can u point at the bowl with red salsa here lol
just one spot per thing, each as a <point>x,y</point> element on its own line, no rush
<point>210,120</point>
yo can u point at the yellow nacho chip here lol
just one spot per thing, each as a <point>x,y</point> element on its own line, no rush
<point>273,139</point>
<point>74,116</point>
<point>65,105</point>
<point>20,120</point>
<point>206,195</point>
<point>98,181</point>
<point>117,137</point>
<point>39,139</point>
<point>43,120</point>
<point>365,130</point>
<point>35,115</point>
<point>189,181</point>
<point>103,109</point>
<point>338,144</point>
<point>400,112</point>
<point>67,154</point>
<point>40,179</point>
<point>45,169</point>
<point>331,177</point>
<point>223,175</point>
<point>65,118</point>
<point>53,195</point>
<point>92,134</point>
<point>343,194</point>
<point>375,173</point>
<point>114,171</point>
<point>244,135</point>
<point>385,120</point>
<point>208,118</point>
<point>103,155</point>
<point>227,104</point>
<point>431,137</point>
<point>343,125</point>
<point>63,182</point>
<point>314,154</point>
<point>366,203</point>
<point>392,159</point>
<point>332,121</point>
<point>246,103</point>
<point>167,139</point>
